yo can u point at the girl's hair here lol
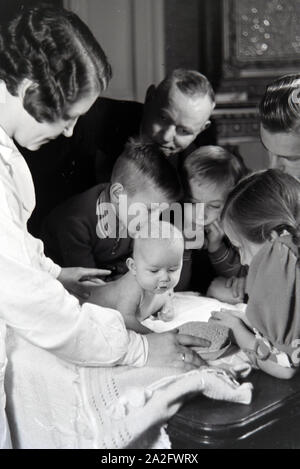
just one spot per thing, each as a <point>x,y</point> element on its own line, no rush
<point>56,51</point>
<point>215,164</point>
<point>280,106</point>
<point>264,202</point>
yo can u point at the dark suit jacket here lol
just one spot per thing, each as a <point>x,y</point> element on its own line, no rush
<point>70,237</point>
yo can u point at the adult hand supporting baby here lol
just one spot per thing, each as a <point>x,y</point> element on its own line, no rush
<point>171,349</point>
<point>80,280</point>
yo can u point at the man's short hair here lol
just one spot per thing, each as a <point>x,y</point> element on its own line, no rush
<point>144,163</point>
<point>279,111</point>
<point>189,82</point>
<point>215,164</point>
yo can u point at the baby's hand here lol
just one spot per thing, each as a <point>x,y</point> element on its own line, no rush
<point>167,312</point>
<point>214,236</point>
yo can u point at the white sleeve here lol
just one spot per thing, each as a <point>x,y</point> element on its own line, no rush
<point>39,308</point>
<point>38,256</point>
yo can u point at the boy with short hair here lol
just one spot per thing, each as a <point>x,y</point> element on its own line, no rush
<point>91,229</point>
<point>209,174</point>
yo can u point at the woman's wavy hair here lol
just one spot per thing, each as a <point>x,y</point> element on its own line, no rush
<point>264,202</point>
<point>54,49</point>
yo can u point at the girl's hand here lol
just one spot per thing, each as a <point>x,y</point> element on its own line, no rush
<point>214,236</point>
<point>226,317</point>
<point>242,336</point>
<point>80,280</point>
<point>174,350</point>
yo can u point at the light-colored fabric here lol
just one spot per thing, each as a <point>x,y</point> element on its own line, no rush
<point>189,307</point>
<point>5,442</point>
<point>54,404</point>
<point>33,301</point>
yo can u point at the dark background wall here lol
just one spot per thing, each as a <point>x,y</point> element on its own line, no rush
<point>182,38</point>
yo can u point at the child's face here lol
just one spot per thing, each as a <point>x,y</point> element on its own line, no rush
<point>157,265</point>
<point>212,196</point>
<point>247,249</point>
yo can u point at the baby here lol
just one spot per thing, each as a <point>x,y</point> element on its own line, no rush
<point>154,270</point>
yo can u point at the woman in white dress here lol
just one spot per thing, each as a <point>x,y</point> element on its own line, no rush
<point>51,71</point>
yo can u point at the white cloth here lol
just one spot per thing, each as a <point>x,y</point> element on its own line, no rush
<point>5,442</point>
<point>189,307</point>
<point>57,405</point>
<point>34,302</point>
<point>54,404</point>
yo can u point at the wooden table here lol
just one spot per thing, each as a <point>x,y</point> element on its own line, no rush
<point>271,421</point>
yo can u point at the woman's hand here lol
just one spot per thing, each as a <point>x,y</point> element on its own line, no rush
<point>80,280</point>
<point>171,349</point>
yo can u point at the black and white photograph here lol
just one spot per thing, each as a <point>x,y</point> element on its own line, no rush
<point>149,227</point>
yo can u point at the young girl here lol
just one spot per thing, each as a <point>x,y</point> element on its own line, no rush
<point>262,219</point>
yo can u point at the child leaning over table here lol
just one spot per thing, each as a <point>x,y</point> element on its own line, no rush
<point>154,271</point>
<point>262,219</point>
<point>209,173</point>
<point>90,229</point>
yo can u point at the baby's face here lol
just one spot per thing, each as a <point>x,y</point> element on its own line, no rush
<point>158,266</point>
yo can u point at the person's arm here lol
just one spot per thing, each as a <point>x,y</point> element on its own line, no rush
<point>246,340</point>
<point>39,308</point>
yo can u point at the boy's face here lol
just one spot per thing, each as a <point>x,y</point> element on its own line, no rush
<point>173,120</point>
<point>283,149</point>
<point>147,202</point>
<point>211,195</point>
<point>157,264</point>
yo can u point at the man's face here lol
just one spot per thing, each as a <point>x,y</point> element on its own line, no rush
<point>173,120</point>
<point>283,149</point>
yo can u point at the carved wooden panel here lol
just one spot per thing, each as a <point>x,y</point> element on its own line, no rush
<point>261,35</point>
